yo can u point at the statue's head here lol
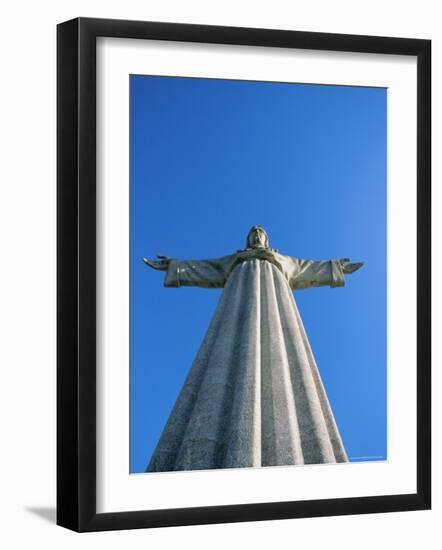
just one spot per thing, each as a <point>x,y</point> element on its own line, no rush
<point>257,237</point>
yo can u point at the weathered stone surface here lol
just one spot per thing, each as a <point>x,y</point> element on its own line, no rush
<point>253,396</point>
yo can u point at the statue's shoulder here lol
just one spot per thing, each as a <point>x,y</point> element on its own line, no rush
<point>227,260</point>
<point>278,254</point>
<point>289,262</point>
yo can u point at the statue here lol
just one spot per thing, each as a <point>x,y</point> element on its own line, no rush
<point>254,396</point>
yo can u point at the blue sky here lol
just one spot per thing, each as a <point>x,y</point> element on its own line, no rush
<point>211,158</point>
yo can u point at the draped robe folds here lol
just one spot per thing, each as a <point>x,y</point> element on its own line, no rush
<point>253,396</point>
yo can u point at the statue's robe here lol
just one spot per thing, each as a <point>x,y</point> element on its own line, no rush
<point>254,396</point>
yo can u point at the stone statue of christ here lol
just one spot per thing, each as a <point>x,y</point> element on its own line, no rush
<point>253,396</point>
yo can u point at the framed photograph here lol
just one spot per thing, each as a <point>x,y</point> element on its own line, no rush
<point>243,274</point>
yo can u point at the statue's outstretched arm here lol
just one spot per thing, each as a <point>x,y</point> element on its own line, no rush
<point>203,273</point>
<point>314,273</point>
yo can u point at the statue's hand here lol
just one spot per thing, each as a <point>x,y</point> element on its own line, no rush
<point>348,267</point>
<point>161,265</point>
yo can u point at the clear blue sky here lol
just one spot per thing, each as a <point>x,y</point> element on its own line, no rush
<point>211,158</point>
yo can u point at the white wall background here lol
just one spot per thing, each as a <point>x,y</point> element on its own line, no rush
<point>27,274</point>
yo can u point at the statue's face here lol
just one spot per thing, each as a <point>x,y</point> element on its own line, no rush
<point>257,238</point>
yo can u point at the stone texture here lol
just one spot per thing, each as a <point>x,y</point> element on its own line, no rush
<point>253,396</point>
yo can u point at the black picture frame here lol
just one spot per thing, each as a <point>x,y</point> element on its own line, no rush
<point>76,274</point>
